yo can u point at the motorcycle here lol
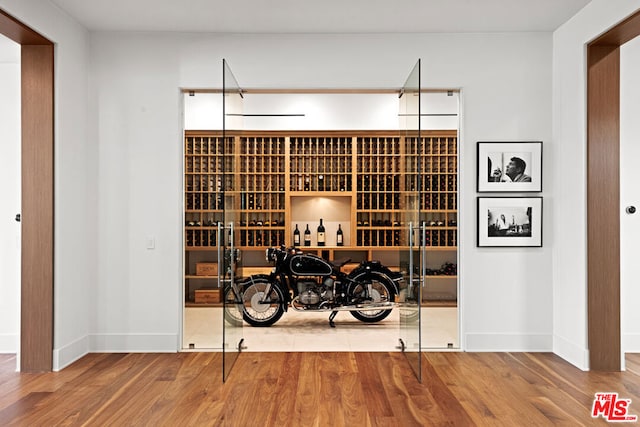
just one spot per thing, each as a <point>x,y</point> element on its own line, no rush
<point>309,283</point>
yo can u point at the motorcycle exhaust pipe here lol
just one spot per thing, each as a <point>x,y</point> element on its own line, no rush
<point>358,307</point>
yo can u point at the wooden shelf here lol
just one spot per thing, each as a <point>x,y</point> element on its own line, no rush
<point>371,176</point>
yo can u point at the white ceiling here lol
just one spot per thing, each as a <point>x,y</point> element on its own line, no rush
<point>322,16</point>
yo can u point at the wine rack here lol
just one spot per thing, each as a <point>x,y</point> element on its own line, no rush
<point>385,176</point>
<point>205,182</point>
<point>261,203</point>
<point>320,164</point>
<point>432,171</point>
<point>378,197</point>
<point>377,180</point>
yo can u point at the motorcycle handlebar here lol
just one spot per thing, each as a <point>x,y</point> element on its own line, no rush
<point>274,253</point>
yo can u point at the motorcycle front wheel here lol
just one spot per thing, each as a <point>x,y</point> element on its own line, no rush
<point>256,311</point>
<point>381,291</point>
<point>233,312</point>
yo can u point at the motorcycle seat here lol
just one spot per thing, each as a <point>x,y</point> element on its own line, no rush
<point>338,263</point>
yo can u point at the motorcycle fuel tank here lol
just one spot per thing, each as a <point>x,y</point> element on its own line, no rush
<point>310,265</point>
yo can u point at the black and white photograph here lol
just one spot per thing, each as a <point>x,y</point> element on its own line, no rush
<point>509,166</point>
<point>510,221</point>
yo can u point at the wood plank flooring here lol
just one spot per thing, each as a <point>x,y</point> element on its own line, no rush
<point>311,389</point>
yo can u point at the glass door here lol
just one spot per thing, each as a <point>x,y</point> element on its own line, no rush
<point>411,256</point>
<point>232,333</point>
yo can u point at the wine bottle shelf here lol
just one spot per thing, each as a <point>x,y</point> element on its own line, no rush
<point>258,177</point>
<point>261,238</point>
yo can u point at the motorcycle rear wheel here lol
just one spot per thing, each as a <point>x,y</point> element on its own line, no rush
<point>382,291</point>
<point>259,314</point>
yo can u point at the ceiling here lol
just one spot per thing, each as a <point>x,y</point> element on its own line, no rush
<point>326,16</point>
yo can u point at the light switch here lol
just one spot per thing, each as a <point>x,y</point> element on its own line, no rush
<point>151,242</point>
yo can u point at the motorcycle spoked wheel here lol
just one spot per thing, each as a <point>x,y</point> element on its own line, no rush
<point>256,313</point>
<point>381,291</point>
<point>408,307</point>
<point>232,314</point>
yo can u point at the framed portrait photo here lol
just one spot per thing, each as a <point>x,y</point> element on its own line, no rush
<point>509,167</point>
<point>510,222</point>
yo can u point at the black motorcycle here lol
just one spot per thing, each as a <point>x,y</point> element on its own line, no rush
<point>308,283</point>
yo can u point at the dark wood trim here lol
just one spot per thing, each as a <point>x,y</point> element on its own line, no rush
<point>603,205</point>
<point>19,32</point>
<point>37,82</point>
<point>603,194</point>
<point>37,208</point>
<point>620,34</point>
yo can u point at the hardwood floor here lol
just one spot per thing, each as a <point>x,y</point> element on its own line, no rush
<point>311,389</point>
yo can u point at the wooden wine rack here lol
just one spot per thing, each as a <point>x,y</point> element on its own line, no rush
<point>257,178</point>
<point>260,215</point>
<point>266,170</point>
<point>204,182</point>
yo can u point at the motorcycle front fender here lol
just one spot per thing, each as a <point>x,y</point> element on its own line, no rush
<point>271,278</point>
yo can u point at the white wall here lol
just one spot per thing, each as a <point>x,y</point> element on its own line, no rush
<point>344,111</point>
<point>75,261</point>
<point>9,195</point>
<point>135,79</point>
<point>629,194</point>
<point>568,173</point>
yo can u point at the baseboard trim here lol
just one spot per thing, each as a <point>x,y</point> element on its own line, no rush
<point>572,353</point>
<point>9,343</point>
<point>508,342</point>
<point>134,343</point>
<point>631,343</point>
<point>66,355</point>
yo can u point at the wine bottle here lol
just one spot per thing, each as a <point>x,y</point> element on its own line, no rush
<point>339,236</point>
<point>321,234</point>
<point>307,236</point>
<point>243,199</point>
<point>296,237</point>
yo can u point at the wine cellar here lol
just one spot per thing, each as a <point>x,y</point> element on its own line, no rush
<point>274,182</point>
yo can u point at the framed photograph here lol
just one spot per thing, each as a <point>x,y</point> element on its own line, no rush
<point>509,167</point>
<point>510,222</point>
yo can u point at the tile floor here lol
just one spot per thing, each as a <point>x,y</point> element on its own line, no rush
<point>301,332</point>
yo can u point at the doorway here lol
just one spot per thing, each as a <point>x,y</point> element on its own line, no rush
<point>603,195</point>
<point>629,196</point>
<point>37,198</point>
<point>348,112</point>
<point>9,196</point>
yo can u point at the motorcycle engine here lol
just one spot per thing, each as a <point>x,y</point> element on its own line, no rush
<point>308,292</point>
<point>311,292</point>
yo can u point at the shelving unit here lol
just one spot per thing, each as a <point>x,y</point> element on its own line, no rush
<point>261,200</point>
<point>365,181</point>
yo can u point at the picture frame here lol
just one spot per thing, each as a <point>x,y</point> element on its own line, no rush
<point>509,222</point>
<point>505,167</point>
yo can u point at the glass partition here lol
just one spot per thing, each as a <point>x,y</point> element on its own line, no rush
<point>232,329</point>
<point>439,129</point>
<point>411,255</point>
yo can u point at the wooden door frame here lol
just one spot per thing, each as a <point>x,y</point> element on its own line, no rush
<point>603,194</point>
<point>37,199</point>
